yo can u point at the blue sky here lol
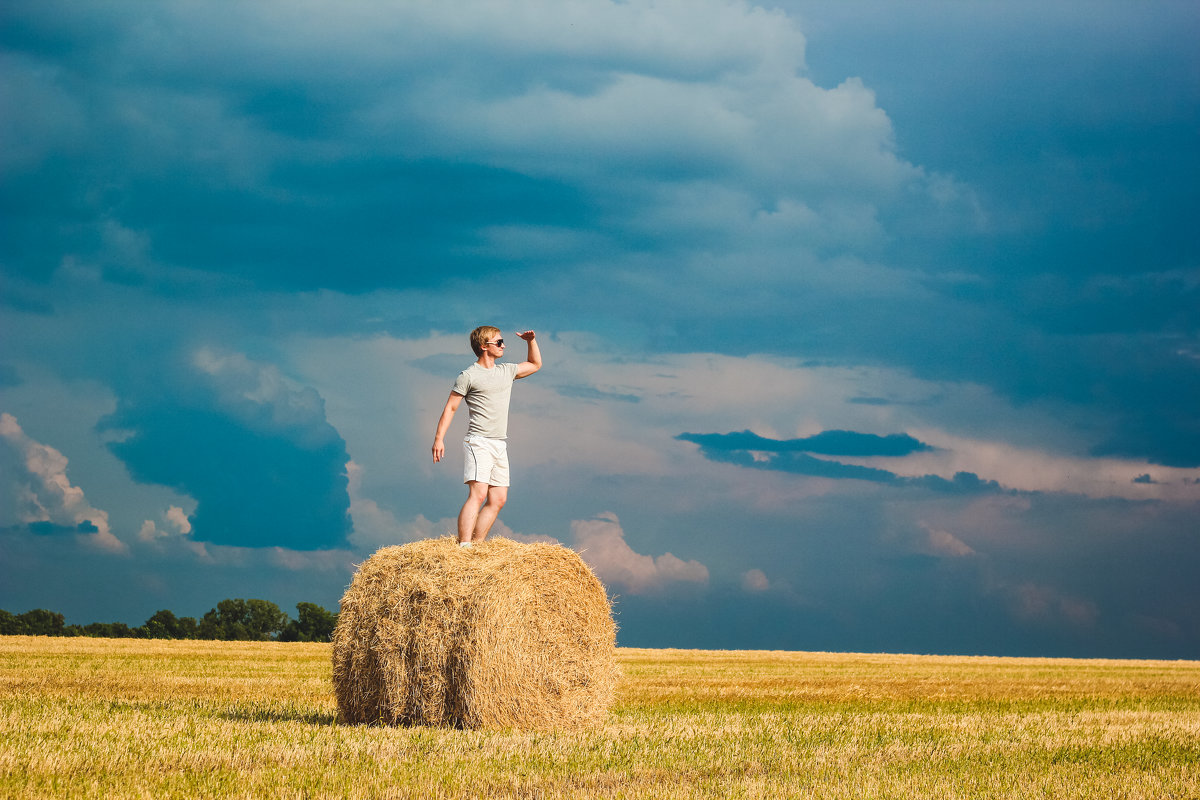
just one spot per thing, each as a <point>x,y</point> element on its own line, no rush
<point>867,326</point>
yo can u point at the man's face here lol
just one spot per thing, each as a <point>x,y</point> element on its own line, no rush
<point>495,346</point>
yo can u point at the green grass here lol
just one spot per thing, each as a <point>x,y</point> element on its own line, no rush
<point>135,718</point>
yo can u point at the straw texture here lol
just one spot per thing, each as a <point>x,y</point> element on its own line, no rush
<point>501,634</point>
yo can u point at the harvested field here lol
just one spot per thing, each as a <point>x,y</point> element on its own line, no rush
<point>127,718</point>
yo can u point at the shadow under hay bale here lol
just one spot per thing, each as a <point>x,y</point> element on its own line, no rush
<point>502,634</point>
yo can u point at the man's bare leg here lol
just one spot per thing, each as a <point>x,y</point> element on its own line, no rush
<point>497,496</point>
<point>477,493</point>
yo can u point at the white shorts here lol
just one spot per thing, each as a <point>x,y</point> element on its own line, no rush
<point>485,460</point>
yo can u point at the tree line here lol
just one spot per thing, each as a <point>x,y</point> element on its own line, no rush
<point>232,620</point>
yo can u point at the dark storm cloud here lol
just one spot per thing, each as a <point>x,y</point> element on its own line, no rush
<point>47,528</point>
<point>252,489</point>
<point>1076,127</point>
<point>828,443</point>
<point>747,449</point>
<point>917,402</point>
<point>252,447</point>
<point>1075,123</point>
<point>354,227</point>
<point>592,393</point>
<point>254,170</point>
<point>1039,241</point>
<point>965,483</point>
<point>183,140</point>
<point>800,464</point>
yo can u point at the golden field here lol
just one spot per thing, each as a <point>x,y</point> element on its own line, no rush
<point>174,719</point>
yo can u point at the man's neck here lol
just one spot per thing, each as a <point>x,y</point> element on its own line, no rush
<point>487,361</point>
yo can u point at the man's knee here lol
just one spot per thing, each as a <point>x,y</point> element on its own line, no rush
<point>497,496</point>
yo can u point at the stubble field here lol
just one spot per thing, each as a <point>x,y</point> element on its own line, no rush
<point>174,719</point>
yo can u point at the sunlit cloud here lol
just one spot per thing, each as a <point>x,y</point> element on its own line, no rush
<point>944,543</point>
<point>601,542</point>
<point>374,526</point>
<point>175,523</point>
<point>1028,469</point>
<point>755,580</point>
<point>40,495</point>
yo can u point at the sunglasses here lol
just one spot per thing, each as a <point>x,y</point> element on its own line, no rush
<point>498,343</point>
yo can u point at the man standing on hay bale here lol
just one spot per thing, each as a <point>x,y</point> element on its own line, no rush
<point>487,387</point>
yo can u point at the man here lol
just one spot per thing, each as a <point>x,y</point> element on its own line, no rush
<point>487,386</point>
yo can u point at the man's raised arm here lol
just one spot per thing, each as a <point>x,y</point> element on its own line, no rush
<point>533,361</point>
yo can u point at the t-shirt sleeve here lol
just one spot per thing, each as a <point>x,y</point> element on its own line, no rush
<point>462,384</point>
<point>512,371</point>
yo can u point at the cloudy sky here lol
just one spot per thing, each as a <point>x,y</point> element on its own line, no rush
<point>868,326</point>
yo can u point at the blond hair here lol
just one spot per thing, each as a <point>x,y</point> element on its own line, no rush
<point>480,335</point>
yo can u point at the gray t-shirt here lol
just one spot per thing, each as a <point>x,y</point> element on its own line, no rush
<point>487,392</point>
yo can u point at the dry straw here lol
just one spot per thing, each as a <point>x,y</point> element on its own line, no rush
<point>502,634</point>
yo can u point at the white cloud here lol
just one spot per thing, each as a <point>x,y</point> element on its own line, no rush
<point>178,518</point>
<point>376,527</point>
<point>941,542</point>
<point>1034,470</point>
<point>755,581</point>
<point>261,395</point>
<point>601,543</point>
<point>39,490</point>
<point>177,524</point>
<point>310,560</point>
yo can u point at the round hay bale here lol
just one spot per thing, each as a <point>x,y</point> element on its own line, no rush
<point>501,634</point>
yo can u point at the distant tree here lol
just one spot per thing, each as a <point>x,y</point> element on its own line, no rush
<point>266,619</point>
<point>40,622</point>
<point>232,619</point>
<point>315,624</point>
<point>186,628</point>
<point>165,625</point>
<point>242,620</point>
<point>161,625</point>
<point>226,621</point>
<point>111,630</point>
<point>209,626</point>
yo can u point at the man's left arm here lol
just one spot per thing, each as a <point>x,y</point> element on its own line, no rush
<point>533,361</point>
